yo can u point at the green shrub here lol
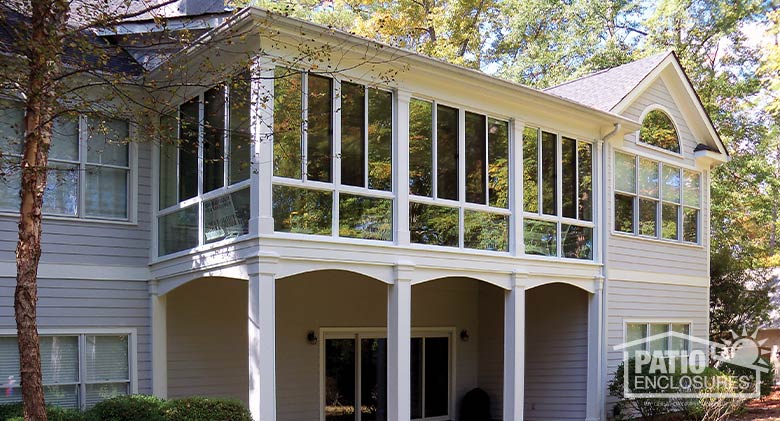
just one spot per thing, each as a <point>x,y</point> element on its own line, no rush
<point>206,409</point>
<point>128,408</point>
<point>15,412</point>
<point>11,410</point>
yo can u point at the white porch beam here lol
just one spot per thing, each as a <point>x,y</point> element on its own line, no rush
<point>261,168</point>
<point>514,348</point>
<point>262,338</point>
<point>595,393</point>
<point>399,337</point>
<point>401,174</point>
<point>159,310</point>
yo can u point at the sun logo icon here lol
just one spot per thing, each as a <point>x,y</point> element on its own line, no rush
<point>745,350</point>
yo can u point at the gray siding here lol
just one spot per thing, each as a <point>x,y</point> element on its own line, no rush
<point>81,304</point>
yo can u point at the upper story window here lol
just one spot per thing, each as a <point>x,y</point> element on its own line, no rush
<point>333,157</point>
<point>88,170</point>
<point>458,182</point>
<point>656,200</point>
<point>557,195</point>
<point>210,137</point>
<point>658,130</point>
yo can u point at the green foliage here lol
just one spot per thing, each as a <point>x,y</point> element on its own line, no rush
<point>128,408</point>
<point>15,412</point>
<point>206,409</point>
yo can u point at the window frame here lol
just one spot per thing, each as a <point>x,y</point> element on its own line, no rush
<point>660,201</point>
<point>381,332</point>
<point>81,334</point>
<point>668,322</point>
<point>558,219</point>
<point>639,142</point>
<point>81,164</point>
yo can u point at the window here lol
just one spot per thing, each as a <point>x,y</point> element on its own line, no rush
<point>339,186</point>
<point>658,130</point>
<point>355,376</point>
<point>78,370</point>
<point>89,153</point>
<point>447,208</point>
<point>664,343</point>
<point>210,135</point>
<point>656,200</point>
<point>558,202</point>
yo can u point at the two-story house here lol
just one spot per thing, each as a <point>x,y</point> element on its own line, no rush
<point>366,233</point>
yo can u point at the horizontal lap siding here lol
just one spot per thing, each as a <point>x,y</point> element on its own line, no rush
<point>81,304</point>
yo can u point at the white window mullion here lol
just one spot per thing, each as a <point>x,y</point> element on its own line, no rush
<point>201,122</point>
<point>577,215</point>
<point>461,175</point>
<point>82,176</point>
<point>539,181</point>
<point>366,166</point>
<point>487,160</point>
<point>226,136</point>
<point>434,151</point>
<point>559,190</point>
<point>335,164</point>
<point>82,357</point>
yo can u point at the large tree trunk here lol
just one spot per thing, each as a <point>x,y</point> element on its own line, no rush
<point>43,53</point>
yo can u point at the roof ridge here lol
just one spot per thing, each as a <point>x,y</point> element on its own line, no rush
<point>598,72</point>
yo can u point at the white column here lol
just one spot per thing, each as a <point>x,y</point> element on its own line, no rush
<point>595,392</point>
<point>159,309</point>
<point>399,337</point>
<point>262,338</point>
<point>514,348</point>
<point>401,173</point>
<point>261,174</point>
<point>516,187</point>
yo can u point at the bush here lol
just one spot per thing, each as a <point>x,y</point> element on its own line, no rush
<point>206,409</point>
<point>128,408</point>
<point>15,412</point>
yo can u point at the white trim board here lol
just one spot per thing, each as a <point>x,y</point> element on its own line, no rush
<point>659,278</point>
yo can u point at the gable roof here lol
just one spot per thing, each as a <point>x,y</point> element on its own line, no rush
<point>605,89</point>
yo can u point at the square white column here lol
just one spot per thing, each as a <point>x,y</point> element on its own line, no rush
<point>514,348</point>
<point>261,168</point>
<point>159,307</point>
<point>401,170</point>
<point>262,339</point>
<point>399,337</point>
<point>595,409</point>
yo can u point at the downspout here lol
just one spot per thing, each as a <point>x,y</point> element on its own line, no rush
<point>604,273</point>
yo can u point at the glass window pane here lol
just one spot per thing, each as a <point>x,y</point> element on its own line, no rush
<point>302,211</point>
<point>353,137</point>
<point>214,139</point>
<point>188,149</point>
<point>288,123</point>
<point>569,177</point>
<point>549,173</point>
<point>108,141</point>
<point>577,242</point>
<point>541,237</point>
<point>585,168</point>
<point>416,377</point>
<point>498,163</point>
<point>648,216</point>
<point>530,170</point>
<point>11,128</point>
<point>680,344</point>
<point>373,379</point>
<point>178,230</point>
<point>319,128</point>
<point>226,216</point>
<point>106,358</point>
<point>486,231</point>
<point>692,189</point>
<point>662,343</point>
<point>437,225</point>
<point>10,184</point>
<point>648,177</point>
<point>658,130</point>
<point>447,152</point>
<point>671,189</point>
<point>635,331</point>
<point>437,381</point>
<point>339,379</point>
<point>625,173</point>
<point>624,213</point>
<point>365,217</point>
<point>61,196</point>
<point>100,392</point>
<point>475,158</point>
<point>63,396</point>
<point>9,365</point>
<point>691,225</point>
<point>240,124</point>
<point>59,359</point>
<point>169,155</point>
<point>106,192</point>
<point>380,139</point>
<point>420,147</point>
<point>65,138</point>
<point>669,221</point>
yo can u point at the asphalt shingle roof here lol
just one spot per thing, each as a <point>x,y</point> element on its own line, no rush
<point>606,88</point>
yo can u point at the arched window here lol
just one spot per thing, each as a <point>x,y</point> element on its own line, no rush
<point>658,130</point>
